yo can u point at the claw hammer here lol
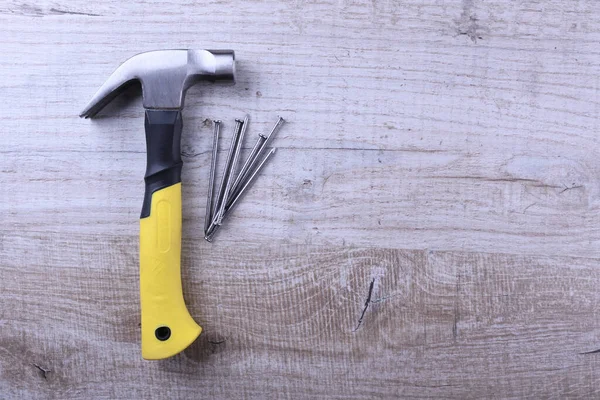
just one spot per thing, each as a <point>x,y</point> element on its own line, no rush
<point>165,76</point>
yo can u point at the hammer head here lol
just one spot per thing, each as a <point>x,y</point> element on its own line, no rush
<point>165,76</point>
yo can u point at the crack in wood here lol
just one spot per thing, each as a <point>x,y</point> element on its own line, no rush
<point>591,352</point>
<point>367,302</point>
<point>43,371</point>
<point>67,12</point>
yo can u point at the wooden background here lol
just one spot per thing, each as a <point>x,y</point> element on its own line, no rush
<point>429,227</point>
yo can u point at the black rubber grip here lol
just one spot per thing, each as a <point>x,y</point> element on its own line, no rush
<point>163,150</point>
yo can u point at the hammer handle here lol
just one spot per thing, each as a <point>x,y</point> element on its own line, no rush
<point>167,326</point>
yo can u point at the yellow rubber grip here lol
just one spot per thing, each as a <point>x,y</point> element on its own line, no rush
<point>167,326</point>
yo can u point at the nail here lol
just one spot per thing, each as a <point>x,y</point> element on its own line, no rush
<point>226,168</point>
<point>250,180</point>
<point>211,233</point>
<point>248,162</point>
<point>231,173</point>
<point>211,179</point>
<point>251,163</point>
<point>213,227</point>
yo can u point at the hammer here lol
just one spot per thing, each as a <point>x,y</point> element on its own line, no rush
<point>165,75</point>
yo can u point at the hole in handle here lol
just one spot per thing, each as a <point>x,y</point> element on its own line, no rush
<point>162,333</point>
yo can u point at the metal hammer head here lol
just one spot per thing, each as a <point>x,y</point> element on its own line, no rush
<point>165,76</point>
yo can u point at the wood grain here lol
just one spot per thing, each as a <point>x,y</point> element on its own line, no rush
<point>282,321</point>
<point>402,129</point>
<point>440,156</point>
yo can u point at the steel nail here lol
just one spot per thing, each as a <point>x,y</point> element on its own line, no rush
<point>214,228</point>
<point>226,168</point>
<point>211,233</point>
<point>234,163</point>
<point>211,180</point>
<point>250,180</point>
<point>248,162</point>
<point>251,163</point>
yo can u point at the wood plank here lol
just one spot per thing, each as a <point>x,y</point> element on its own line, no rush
<point>441,139</point>
<point>359,197</point>
<point>440,158</point>
<point>282,321</point>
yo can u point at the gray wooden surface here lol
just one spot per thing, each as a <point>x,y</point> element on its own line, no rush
<point>427,229</point>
